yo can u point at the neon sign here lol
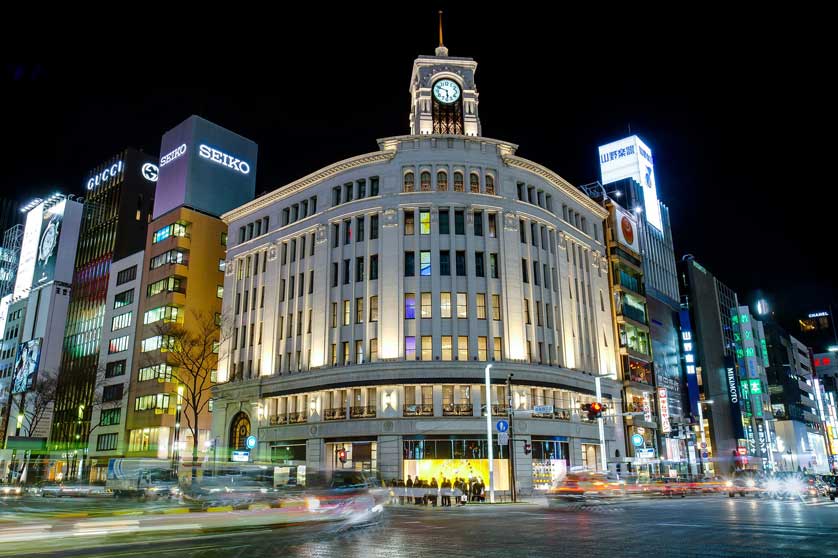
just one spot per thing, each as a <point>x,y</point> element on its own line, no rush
<point>222,158</point>
<point>110,172</point>
<point>172,155</point>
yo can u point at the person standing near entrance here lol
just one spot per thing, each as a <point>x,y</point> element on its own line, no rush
<point>446,492</point>
<point>434,491</point>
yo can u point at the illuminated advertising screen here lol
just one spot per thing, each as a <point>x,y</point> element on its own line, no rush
<point>626,227</point>
<point>631,158</point>
<point>206,167</point>
<point>51,222</point>
<point>29,251</point>
<point>26,365</point>
<point>427,469</point>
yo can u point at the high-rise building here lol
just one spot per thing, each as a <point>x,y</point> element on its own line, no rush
<point>817,330</point>
<point>117,209</point>
<point>826,380</point>
<point>205,170</point>
<point>628,178</point>
<point>366,300</point>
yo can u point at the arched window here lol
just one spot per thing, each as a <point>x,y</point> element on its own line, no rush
<point>239,431</point>
<point>408,181</point>
<point>425,181</point>
<point>458,182</point>
<point>474,182</point>
<point>490,184</point>
<point>442,181</point>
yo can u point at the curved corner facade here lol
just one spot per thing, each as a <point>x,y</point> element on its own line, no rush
<point>362,303</point>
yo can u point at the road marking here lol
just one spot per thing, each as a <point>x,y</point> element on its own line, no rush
<point>677,525</point>
<point>220,509</point>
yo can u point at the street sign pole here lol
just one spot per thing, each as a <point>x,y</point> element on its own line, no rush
<point>489,434</point>
<point>511,447</point>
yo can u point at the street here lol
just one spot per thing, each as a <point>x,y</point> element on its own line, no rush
<point>703,526</point>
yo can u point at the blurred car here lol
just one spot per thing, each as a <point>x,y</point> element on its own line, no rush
<point>48,489</point>
<point>831,486</point>
<point>744,481</point>
<point>788,485</point>
<point>580,486</point>
<point>11,490</point>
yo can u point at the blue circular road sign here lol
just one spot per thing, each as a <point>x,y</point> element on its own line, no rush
<point>636,440</point>
<point>250,442</point>
<point>502,426</point>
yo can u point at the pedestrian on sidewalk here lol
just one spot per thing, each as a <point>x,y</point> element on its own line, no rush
<point>434,491</point>
<point>400,489</point>
<point>446,492</point>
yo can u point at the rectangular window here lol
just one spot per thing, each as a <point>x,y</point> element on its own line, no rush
<point>126,275</point>
<point>346,272</point>
<point>482,348</point>
<point>535,274</point>
<point>335,196</point>
<point>444,263</point>
<point>478,223</point>
<point>291,284</point>
<point>373,349</point>
<point>538,316</point>
<point>165,313</point>
<point>310,251</point>
<point>459,221</point>
<point>334,320</point>
<point>447,348</point>
<point>335,238</point>
<point>527,311</point>
<point>222,265</point>
<point>522,230</point>
<point>110,417</point>
<point>549,315</point>
<point>409,264</point>
<point>462,305</point>
<point>359,270</point>
<point>118,344</point>
<point>149,402</point>
<point>424,221</point>
<point>493,227</point>
<point>525,271</point>
<point>534,234</point>
<point>409,306</point>
<point>114,369</point>
<point>481,306</point>
<point>493,265</point>
<point>495,307</point>
<point>478,265</point>
<point>373,227</point>
<point>107,442</point>
<point>121,321</point>
<point>302,251</point>
<point>347,231</point>
<point>359,310</point>
<point>359,352</point>
<point>427,347</point>
<point>410,348</point>
<point>374,308</point>
<point>334,275</point>
<point>445,305</point>
<point>347,312</point>
<point>462,347</point>
<point>175,229</point>
<point>546,277</point>
<point>112,393</point>
<point>373,186</point>
<point>425,263</point>
<point>461,263</point>
<point>359,227</point>
<point>310,287</point>
<point>497,351</point>
<point>409,217</point>
<point>426,305</point>
<point>373,267</point>
<point>444,223</point>
<point>123,299</point>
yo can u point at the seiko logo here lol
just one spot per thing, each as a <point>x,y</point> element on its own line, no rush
<point>731,383</point>
<point>172,155</point>
<point>223,159</point>
<point>105,175</point>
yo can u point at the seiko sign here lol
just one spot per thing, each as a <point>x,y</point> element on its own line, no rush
<point>172,155</point>
<point>110,172</point>
<point>222,158</point>
<point>731,384</point>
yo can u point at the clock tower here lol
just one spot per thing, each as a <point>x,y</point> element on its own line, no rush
<point>443,94</point>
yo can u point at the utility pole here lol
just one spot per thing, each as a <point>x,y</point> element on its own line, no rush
<point>511,443</point>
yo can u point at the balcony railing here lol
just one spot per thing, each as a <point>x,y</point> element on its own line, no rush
<point>457,409</point>
<point>629,282</point>
<point>557,414</point>
<point>498,409</point>
<point>367,411</point>
<point>297,418</point>
<point>279,419</point>
<point>419,410</point>
<point>337,413</point>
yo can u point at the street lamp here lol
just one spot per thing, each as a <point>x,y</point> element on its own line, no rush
<point>600,423</point>
<point>489,434</point>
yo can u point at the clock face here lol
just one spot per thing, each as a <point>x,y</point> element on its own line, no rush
<point>446,91</point>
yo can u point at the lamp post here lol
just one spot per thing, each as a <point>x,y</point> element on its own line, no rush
<point>701,430</point>
<point>489,434</point>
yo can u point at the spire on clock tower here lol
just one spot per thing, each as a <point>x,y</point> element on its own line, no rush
<point>443,94</point>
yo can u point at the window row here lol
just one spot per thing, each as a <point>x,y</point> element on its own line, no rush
<point>444,222</point>
<point>250,264</point>
<point>534,196</point>
<point>298,211</point>
<point>161,372</point>
<point>254,337</point>
<point>342,273</point>
<point>255,229</point>
<point>149,402</point>
<point>360,231</point>
<point>126,275</point>
<point>537,232</point>
<point>180,229</point>
<point>442,182</point>
<point>354,191</point>
<point>292,292</point>
<point>460,267</point>
<point>289,331</point>
<point>175,256</point>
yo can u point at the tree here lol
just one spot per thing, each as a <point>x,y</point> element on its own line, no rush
<point>192,352</point>
<point>34,409</point>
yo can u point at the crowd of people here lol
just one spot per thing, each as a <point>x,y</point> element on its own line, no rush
<point>422,492</point>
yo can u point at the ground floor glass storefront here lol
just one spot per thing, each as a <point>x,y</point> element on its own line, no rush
<point>550,462</point>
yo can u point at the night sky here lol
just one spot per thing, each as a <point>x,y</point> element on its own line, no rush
<point>729,118</point>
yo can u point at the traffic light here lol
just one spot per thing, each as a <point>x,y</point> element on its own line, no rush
<point>527,448</point>
<point>342,455</point>
<point>595,410</point>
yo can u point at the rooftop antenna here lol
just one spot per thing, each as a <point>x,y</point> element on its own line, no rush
<point>441,50</point>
